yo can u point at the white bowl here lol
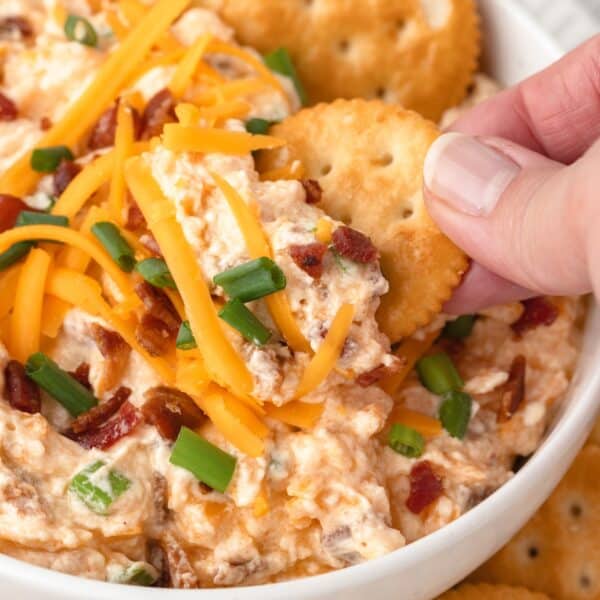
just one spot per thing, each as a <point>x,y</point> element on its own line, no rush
<point>515,48</point>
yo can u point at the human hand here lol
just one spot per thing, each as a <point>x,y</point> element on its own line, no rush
<point>517,186</point>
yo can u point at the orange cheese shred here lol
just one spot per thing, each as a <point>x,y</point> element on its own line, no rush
<point>296,413</point>
<point>427,426</point>
<point>295,170</point>
<point>8,284</point>
<point>184,74</point>
<point>230,90</point>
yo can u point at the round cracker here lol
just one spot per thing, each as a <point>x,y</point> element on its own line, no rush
<point>420,54</point>
<point>558,551</point>
<point>368,157</point>
<point>486,591</point>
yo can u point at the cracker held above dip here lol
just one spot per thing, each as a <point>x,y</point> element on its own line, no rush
<point>223,356</point>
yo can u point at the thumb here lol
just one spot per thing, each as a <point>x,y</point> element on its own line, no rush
<point>522,216</point>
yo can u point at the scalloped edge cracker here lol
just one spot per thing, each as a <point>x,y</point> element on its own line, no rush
<point>486,591</point>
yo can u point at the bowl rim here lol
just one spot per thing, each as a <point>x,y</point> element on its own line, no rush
<point>334,582</point>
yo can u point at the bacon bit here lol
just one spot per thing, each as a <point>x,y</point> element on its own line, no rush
<point>153,334</point>
<point>378,373</point>
<point>135,218</point>
<point>157,303</point>
<point>23,394</point>
<point>159,498</point>
<point>354,245</point>
<point>8,109</point>
<point>538,311</point>
<point>179,571</point>
<point>159,111</point>
<point>149,242</point>
<point>15,25</point>
<point>96,416</point>
<point>513,391</point>
<point>309,257</point>
<point>110,432</point>
<point>169,409</point>
<point>313,190</point>
<point>425,487</point>
<point>115,351</point>
<point>66,172</point>
<point>45,124</point>
<point>10,207</point>
<point>103,133</point>
<point>82,375</point>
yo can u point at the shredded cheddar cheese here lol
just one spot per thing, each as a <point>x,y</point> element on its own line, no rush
<point>324,230</point>
<point>8,284</point>
<point>184,74</point>
<point>295,170</point>
<point>296,413</point>
<point>424,424</point>
<point>230,90</point>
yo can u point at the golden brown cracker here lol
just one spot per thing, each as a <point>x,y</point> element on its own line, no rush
<point>558,551</point>
<point>486,591</point>
<point>368,157</point>
<point>418,53</point>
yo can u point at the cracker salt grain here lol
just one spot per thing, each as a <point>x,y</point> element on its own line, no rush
<point>421,54</point>
<point>368,158</point>
<point>485,591</point>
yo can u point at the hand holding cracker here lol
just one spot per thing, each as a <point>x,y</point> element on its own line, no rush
<point>522,199</point>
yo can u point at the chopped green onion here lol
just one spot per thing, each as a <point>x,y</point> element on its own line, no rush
<point>156,272</point>
<point>438,374</point>
<point>406,441</point>
<point>46,160</point>
<point>185,337</point>
<point>252,280</point>
<point>258,126</point>
<point>239,317</point>
<point>137,573</point>
<point>14,253</point>
<point>30,217</point>
<point>66,390</point>
<point>280,61</point>
<point>78,29</point>
<point>98,498</point>
<point>455,413</point>
<point>205,461</point>
<point>116,245</point>
<point>459,328</point>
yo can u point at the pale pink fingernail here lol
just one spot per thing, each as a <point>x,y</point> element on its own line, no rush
<point>466,174</point>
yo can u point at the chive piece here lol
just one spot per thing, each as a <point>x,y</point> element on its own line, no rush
<point>459,328</point>
<point>205,461</point>
<point>46,160</point>
<point>258,126</point>
<point>235,314</point>
<point>137,573</point>
<point>185,337</point>
<point>156,272</point>
<point>280,61</point>
<point>406,441</point>
<point>455,413</point>
<point>78,29</point>
<point>59,384</point>
<point>30,217</point>
<point>252,280</point>
<point>98,498</point>
<point>115,244</point>
<point>14,253</point>
<point>438,374</point>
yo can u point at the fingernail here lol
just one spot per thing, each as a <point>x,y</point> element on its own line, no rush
<point>466,174</point>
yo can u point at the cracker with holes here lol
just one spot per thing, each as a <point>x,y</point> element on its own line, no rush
<point>415,53</point>
<point>368,157</point>
<point>491,592</point>
<point>557,552</point>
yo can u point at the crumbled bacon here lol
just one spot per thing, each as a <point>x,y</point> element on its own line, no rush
<point>169,409</point>
<point>103,133</point>
<point>159,499</point>
<point>313,190</point>
<point>157,303</point>
<point>96,416</point>
<point>110,432</point>
<point>135,218</point>
<point>15,25</point>
<point>309,257</point>
<point>425,487</point>
<point>82,375</point>
<point>181,575</point>
<point>354,245</point>
<point>513,391</point>
<point>159,111</point>
<point>154,334</point>
<point>66,172</point>
<point>538,311</point>
<point>8,109</point>
<point>378,373</point>
<point>22,393</point>
<point>10,207</point>
<point>45,124</point>
<point>115,351</point>
<point>149,242</point>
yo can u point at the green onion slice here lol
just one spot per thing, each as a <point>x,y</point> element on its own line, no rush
<point>185,337</point>
<point>280,61</point>
<point>14,253</point>
<point>205,461</point>
<point>258,126</point>
<point>406,441</point>
<point>98,489</point>
<point>137,573</point>
<point>438,374</point>
<point>459,328</point>
<point>46,160</point>
<point>66,390</point>
<point>156,272</point>
<point>252,280</point>
<point>455,413</point>
<point>110,237</point>
<point>78,29</point>
<point>30,217</point>
<point>239,317</point>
